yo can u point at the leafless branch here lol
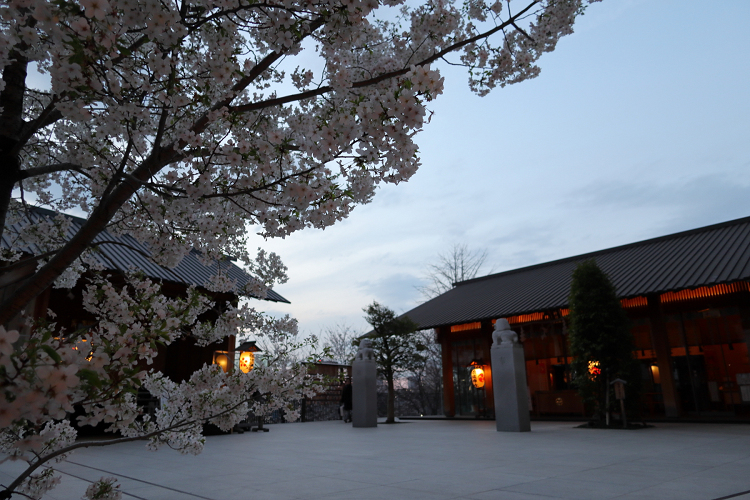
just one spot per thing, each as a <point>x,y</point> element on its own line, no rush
<point>457,264</point>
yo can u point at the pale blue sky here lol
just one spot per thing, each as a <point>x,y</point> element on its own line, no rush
<point>638,126</point>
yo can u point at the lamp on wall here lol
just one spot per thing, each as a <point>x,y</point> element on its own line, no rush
<point>655,373</point>
<point>221,358</point>
<point>477,374</point>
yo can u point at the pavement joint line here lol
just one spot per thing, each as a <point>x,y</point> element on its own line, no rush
<point>540,495</point>
<point>735,495</point>
<point>141,481</point>
<point>92,482</point>
<point>434,453</point>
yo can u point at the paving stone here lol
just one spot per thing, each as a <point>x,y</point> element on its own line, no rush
<point>430,460</point>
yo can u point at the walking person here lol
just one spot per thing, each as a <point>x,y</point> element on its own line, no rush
<point>346,401</point>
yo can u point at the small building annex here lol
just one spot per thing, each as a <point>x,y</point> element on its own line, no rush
<point>121,254</point>
<point>688,298</point>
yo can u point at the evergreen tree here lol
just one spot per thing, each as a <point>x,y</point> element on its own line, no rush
<point>397,349</point>
<point>600,339</point>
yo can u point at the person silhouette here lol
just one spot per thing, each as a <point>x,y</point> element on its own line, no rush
<point>346,400</point>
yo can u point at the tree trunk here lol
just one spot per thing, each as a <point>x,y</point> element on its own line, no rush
<point>391,416</point>
<point>75,246</point>
<point>9,169</point>
<point>11,122</point>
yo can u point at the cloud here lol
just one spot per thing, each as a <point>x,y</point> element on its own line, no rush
<point>525,243</point>
<point>692,202</point>
<point>620,139</point>
<point>395,290</point>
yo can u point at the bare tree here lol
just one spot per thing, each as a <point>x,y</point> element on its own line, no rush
<point>425,393</point>
<point>282,344</point>
<point>457,264</point>
<point>341,341</point>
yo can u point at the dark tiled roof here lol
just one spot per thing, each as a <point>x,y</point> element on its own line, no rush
<point>128,253</point>
<point>701,257</point>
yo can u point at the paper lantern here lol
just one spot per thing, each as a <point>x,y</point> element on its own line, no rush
<point>594,368</point>
<point>243,358</point>
<point>247,360</point>
<point>477,375</point>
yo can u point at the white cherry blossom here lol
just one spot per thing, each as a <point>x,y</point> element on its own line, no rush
<point>197,124</point>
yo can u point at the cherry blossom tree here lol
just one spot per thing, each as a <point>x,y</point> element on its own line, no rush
<point>196,124</point>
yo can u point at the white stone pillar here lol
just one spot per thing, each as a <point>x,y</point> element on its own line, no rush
<point>364,388</point>
<point>509,380</point>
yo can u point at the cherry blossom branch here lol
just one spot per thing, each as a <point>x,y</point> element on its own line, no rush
<point>110,204</point>
<point>522,31</point>
<point>23,262</point>
<point>48,116</point>
<point>121,168</point>
<point>10,489</point>
<point>244,108</point>
<point>51,114</point>
<point>236,10</point>
<point>252,75</point>
<point>264,187</point>
<point>94,225</point>
<point>49,169</point>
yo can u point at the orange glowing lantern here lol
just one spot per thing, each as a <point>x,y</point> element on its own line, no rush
<point>247,352</point>
<point>243,357</point>
<point>594,368</point>
<point>477,375</point>
<point>221,358</point>
<point>655,373</point>
<point>247,360</point>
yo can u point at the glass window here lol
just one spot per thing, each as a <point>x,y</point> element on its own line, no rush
<point>468,399</point>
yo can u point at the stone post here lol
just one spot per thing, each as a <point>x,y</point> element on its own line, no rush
<point>364,389</point>
<point>509,380</point>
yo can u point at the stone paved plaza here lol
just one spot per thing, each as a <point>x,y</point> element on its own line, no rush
<point>430,460</point>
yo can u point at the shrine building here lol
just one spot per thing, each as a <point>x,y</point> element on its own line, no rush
<point>688,299</point>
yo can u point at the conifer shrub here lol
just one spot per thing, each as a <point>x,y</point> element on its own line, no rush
<point>600,341</point>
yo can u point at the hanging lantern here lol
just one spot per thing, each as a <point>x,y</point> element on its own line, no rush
<point>247,352</point>
<point>243,357</point>
<point>477,374</point>
<point>594,369</point>
<point>247,360</point>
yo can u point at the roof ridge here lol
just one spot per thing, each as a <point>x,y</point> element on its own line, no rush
<point>53,213</point>
<point>604,251</point>
<point>120,252</point>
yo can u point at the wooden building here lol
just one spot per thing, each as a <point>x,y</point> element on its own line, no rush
<point>119,254</point>
<point>687,296</point>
